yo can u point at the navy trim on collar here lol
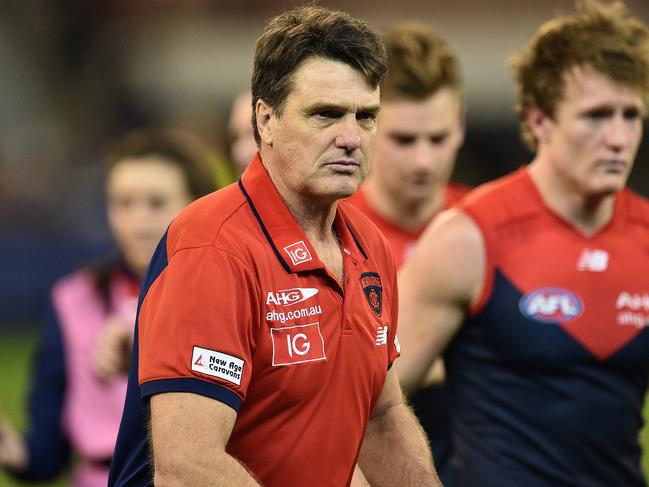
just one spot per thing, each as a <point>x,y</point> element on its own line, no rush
<point>263,227</point>
<point>356,241</point>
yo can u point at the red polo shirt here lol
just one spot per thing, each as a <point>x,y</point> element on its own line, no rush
<point>246,313</point>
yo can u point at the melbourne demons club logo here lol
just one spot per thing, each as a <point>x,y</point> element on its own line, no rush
<point>298,252</point>
<point>373,290</point>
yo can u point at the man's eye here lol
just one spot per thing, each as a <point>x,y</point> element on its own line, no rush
<point>366,116</point>
<point>403,139</point>
<point>438,139</point>
<point>598,114</point>
<point>328,114</point>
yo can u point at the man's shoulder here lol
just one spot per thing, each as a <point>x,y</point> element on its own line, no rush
<point>221,216</point>
<point>508,198</point>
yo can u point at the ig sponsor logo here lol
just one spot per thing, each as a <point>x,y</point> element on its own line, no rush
<point>551,305</point>
<point>297,344</point>
<point>298,252</point>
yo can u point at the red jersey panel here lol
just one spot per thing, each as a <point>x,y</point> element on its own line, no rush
<point>402,241</point>
<point>246,313</point>
<point>582,283</point>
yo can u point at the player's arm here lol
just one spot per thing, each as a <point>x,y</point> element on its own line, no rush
<point>189,433</point>
<point>436,286</point>
<point>395,450</point>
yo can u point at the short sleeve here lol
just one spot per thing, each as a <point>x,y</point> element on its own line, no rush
<point>198,327</point>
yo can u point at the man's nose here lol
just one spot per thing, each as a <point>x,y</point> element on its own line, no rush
<point>349,135</point>
<point>423,154</point>
<point>618,133</point>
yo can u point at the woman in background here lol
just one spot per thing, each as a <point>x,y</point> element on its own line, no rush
<point>80,369</point>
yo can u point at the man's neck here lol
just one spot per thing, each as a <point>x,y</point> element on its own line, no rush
<point>587,213</point>
<point>316,218</point>
<point>409,215</point>
<point>317,222</point>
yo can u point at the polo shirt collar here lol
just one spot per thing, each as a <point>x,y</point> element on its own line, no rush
<point>282,231</point>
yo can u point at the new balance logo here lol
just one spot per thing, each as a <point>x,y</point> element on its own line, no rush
<point>593,260</point>
<point>382,335</point>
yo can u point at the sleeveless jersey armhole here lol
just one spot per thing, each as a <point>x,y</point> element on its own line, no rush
<point>486,287</point>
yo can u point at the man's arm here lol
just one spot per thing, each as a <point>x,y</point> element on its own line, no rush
<point>441,279</point>
<point>189,433</point>
<point>395,451</point>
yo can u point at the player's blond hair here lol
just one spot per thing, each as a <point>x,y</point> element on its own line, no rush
<point>600,36</point>
<point>421,63</point>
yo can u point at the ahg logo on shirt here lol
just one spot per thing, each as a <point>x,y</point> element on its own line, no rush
<point>297,344</point>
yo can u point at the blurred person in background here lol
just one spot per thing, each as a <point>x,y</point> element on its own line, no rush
<point>241,135</point>
<point>80,369</point>
<point>420,131</point>
<point>536,287</point>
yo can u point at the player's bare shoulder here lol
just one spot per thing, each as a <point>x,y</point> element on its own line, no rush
<point>449,259</point>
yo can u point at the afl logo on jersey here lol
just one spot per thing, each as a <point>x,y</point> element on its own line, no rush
<point>551,305</point>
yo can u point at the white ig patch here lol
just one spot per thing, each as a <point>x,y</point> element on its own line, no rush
<point>217,364</point>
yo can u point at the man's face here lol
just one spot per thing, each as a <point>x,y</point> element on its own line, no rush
<point>593,138</point>
<point>416,145</point>
<point>320,146</point>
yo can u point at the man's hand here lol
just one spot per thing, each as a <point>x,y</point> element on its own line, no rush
<point>112,353</point>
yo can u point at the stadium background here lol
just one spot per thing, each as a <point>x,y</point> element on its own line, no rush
<point>76,74</point>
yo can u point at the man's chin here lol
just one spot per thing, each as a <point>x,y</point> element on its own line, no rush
<point>605,190</point>
<point>609,185</point>
<point>346,189</point>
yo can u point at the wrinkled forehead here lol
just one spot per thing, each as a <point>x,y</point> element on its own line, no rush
<point>325,81</point>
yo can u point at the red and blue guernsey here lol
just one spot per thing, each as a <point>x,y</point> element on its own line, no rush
<point>549,372</point>
<point>238,307</point>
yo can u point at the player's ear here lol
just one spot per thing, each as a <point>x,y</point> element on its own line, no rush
<point>264,115</point>
<point>538,123</point>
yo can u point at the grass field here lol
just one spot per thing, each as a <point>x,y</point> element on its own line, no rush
<point>16,350</point>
